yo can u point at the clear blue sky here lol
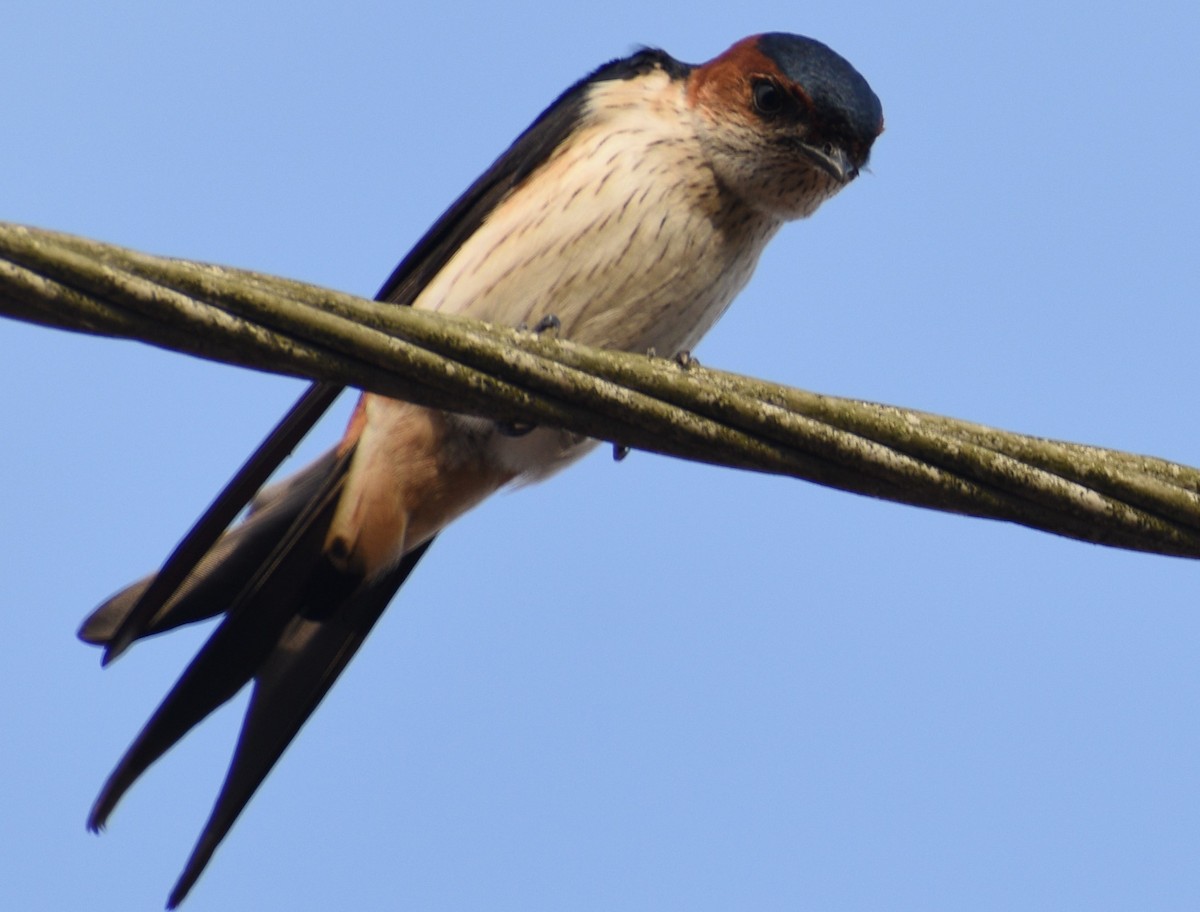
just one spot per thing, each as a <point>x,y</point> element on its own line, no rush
<point>649,685</point>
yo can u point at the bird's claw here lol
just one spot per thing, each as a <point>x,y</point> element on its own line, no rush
<point>685,360</point>
<point>514,428</point>
<point>548,324</point>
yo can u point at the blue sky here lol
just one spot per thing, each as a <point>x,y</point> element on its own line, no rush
<point>647,685</point>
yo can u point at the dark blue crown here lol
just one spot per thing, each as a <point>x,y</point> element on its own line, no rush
<point>838,91</point>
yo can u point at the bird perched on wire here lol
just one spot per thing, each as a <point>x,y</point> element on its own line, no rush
<point>628,216</point>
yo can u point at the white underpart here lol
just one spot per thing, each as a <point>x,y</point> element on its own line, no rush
<point>624,235</point>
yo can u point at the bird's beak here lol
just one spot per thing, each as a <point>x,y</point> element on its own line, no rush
<point>831,159</point>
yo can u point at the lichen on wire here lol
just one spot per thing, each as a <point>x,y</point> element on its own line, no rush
<point>663,405</point>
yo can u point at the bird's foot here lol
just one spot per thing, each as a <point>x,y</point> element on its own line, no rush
<point>685,360</point>
<point>548,324</point>
<point>514,428</point>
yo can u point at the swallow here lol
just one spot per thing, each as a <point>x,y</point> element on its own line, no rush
<point>627,216</point>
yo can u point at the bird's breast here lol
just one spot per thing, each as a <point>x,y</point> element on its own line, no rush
<point>624,234</point>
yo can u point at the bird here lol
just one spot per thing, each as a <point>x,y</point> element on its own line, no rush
<point>628,216</point>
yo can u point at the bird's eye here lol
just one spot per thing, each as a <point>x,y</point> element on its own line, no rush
<point>768,98</point>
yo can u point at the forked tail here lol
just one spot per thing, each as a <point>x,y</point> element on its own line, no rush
<point>293,620</point>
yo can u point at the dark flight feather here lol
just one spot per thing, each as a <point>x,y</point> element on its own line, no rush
<point>268,574</point>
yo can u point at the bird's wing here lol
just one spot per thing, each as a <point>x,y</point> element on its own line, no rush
<point>275,632</point>
<point>427,257</point>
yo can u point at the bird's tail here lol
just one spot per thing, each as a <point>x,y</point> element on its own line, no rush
<point>292,621</point>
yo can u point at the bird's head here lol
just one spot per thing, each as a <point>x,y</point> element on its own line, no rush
<point>785,121</point>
